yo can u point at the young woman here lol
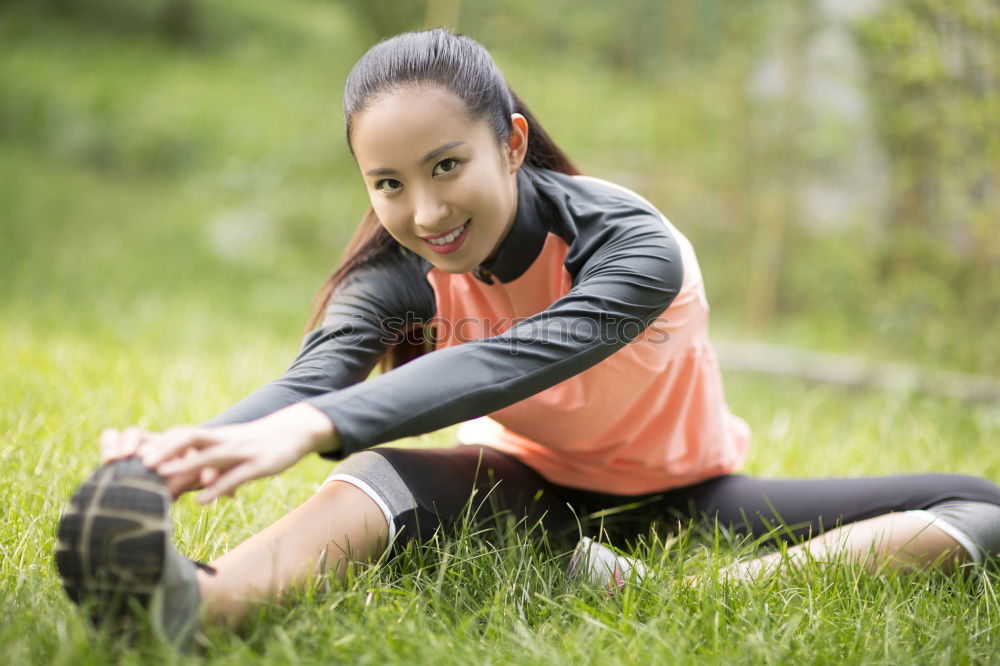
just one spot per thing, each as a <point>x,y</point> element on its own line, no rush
<point>562,319</point>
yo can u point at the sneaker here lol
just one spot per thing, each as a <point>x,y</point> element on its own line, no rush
<point>114,549</point>
<point>600,565</point>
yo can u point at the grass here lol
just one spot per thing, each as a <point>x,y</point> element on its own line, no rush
<point>474,598</point>
<point>165,217</point>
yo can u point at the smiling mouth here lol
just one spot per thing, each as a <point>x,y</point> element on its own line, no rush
<point>449,237</point>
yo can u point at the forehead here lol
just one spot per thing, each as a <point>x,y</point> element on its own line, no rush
<point>400,127</point>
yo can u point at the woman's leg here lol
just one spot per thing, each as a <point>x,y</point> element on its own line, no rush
<point>876,521</point>
<point>338,525</point>
<point>114,548</point>
<point>424,490</point>
<point>370,499</point>
<point>893,540</point>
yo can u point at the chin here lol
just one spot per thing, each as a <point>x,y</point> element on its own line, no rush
<point>454,269</point>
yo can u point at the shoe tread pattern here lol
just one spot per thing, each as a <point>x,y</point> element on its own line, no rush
<point>112,537</point>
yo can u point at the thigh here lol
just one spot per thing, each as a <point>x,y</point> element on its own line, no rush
<point>423,490</point>
<point>799,508</point>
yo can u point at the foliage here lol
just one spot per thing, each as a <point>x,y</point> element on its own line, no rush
<point>935,71</point>
<point>239,125</point>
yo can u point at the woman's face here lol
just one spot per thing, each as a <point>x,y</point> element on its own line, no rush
<point>438,181</point>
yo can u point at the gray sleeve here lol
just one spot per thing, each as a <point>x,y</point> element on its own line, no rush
<point>365,315</point>
<point>627,271</point>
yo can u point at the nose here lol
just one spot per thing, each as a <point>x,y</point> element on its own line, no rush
<point>429,210</point>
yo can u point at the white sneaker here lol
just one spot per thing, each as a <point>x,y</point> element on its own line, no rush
<point>600,565</point>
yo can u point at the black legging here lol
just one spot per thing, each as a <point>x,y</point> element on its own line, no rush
<point>441,482</point>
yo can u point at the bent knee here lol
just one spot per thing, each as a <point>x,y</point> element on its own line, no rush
<point>974,525</point>
<point>372,474</point>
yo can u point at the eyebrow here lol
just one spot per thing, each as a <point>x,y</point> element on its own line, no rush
<point>427,158</point>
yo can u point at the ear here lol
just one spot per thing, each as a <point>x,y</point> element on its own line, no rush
<point>517,142</point>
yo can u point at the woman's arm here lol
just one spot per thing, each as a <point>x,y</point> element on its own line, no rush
<point>224,457</point>
<point>355,332</point>
<point>627,270</point>
<point>353,336</point>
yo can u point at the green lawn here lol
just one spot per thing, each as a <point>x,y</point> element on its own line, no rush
<point>473,599</point>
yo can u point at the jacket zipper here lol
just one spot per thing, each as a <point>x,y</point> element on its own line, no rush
<point>506,296</point>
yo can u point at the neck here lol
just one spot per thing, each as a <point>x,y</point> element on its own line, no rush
<point>510,219</point>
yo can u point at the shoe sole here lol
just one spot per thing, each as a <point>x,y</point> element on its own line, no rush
<point>112,538</point>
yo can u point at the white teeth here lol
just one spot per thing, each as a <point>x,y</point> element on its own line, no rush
<point>450,237</point>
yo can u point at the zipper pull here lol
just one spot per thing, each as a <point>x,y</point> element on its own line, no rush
<point>482,274</point>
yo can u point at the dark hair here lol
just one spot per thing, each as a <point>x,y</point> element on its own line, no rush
<point>456,63</point>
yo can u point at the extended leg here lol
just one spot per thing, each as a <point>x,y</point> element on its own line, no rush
<point>893,540</point>
<point>372,497</point>
<point>114,550</point>
<point>338,525</point>
<point>904,521</point>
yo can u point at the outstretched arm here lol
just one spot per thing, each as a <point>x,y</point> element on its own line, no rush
<point>274,421</point>
<point>235,454</point>
<point>353,336</point>
<point>629,274</point>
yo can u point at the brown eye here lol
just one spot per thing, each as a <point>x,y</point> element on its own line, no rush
<point>444,166</point>
<point>388,185</point>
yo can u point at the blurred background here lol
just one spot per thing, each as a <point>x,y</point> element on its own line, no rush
<point>175,170</point>
<point>175,187</point>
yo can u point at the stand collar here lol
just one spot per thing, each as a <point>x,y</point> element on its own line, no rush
<point>525,239</point>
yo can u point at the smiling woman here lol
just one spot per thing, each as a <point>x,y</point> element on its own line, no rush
<point>576,358</point>
<point>438,180</point>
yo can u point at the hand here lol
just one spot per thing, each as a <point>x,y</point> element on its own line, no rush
<point>225,457</point>
<point>121,444</point>
<point>116,445</point>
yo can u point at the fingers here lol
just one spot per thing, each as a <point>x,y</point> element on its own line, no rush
<point>116,445</point>
<point>109,444</point>
<point>178,484</point>
<point>182,483</point>
<point>221,457</point>
<point>198,469</point>
<point>177,454</point>
<point>131,439</point>
<point>208,476</point>
<point>172,443</point>
<point>228,482</point>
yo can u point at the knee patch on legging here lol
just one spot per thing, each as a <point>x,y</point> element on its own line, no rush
<point>974,525</point>
<point>376,477</point>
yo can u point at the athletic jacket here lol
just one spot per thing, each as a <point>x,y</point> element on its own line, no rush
<point>581,348</point>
